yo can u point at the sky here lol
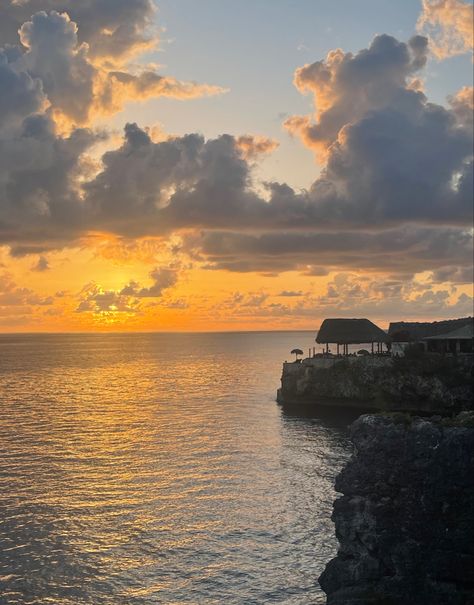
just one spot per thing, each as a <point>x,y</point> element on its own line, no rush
<point>222,165</point>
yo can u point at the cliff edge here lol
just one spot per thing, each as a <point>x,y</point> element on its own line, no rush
<point>429,384</point>
<point>405,521</point>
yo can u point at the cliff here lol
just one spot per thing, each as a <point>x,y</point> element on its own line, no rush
<point>405,521</point>
<point>426,385</point>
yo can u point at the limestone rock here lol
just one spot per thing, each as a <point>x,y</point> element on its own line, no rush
<point>405,522</point>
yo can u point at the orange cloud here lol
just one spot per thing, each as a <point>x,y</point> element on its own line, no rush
<point>449,26</point>
<point>347,86</point>
<point>78,86</point>
<point>115,88</point>
<point>251,146</point>
<point>124,251</point>
<point>462,104</point>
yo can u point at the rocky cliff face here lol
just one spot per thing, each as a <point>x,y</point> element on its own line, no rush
<point>405,522</point>
<point>428,385</point>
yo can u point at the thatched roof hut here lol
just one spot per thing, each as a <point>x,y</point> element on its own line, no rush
<point>414,331</point>
<point>466,332</point>
<point>350,331</point>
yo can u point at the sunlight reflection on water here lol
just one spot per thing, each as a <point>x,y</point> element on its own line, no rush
<point>142,469</point>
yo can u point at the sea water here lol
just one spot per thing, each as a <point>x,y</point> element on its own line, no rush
<point>144,469</point>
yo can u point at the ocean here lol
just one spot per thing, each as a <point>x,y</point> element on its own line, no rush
<point>140,469</point>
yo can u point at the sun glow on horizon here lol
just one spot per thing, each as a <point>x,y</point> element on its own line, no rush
<point>343,190</point>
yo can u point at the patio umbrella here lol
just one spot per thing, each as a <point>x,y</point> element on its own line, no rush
<point>296,352</point>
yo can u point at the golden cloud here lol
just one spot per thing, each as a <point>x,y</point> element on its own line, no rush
<point>251,146</point>
<point>449,26</point>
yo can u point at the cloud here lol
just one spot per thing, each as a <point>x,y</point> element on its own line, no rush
<point>462,104</point>
<point>454,274</point>
<point>163,278</point>
<point>123,86</point>
<point>405,249</point>
<point>400,164</point>
<point>21,94</point>
<point>54,56</point>
<point>155,188</point>
<point>123,251</point>
<point>253,146</point>
<point>93,298</point>
<point>113,31</point>
<point>40,201</point>
<point>244,300</point>
<point>349,295</point>
<point>77,87</point>
<point>41,265</point>
<point>346,87</point>
<point>394,194</point>
<point>290,293</point>
<point>20,300</point>
<point>449,26</point>
<point>390,154</point>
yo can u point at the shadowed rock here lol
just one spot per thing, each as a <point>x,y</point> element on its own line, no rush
<point>405,522</point>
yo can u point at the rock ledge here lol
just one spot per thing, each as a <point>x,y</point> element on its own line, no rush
<point>405,521</point>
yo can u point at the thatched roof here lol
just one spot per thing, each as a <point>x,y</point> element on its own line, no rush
<point>464,333</point>
<point>350,331</point>
<point>407,331</point>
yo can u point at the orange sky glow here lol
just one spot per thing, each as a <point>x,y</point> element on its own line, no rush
<point>110,221</point>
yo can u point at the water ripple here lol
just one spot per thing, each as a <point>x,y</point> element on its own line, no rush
<point>145,469</point>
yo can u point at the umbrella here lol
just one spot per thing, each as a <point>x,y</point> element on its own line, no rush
<point>296,352</point>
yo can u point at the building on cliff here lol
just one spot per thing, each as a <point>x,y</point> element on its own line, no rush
<point>457,342</point>
<point>347,332</point>
<point>451,336</point>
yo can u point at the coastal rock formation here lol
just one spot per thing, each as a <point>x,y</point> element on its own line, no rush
<point>430,384</point>
<point>405,522</point>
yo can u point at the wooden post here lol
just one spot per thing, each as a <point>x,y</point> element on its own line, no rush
<point>372,348</point>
